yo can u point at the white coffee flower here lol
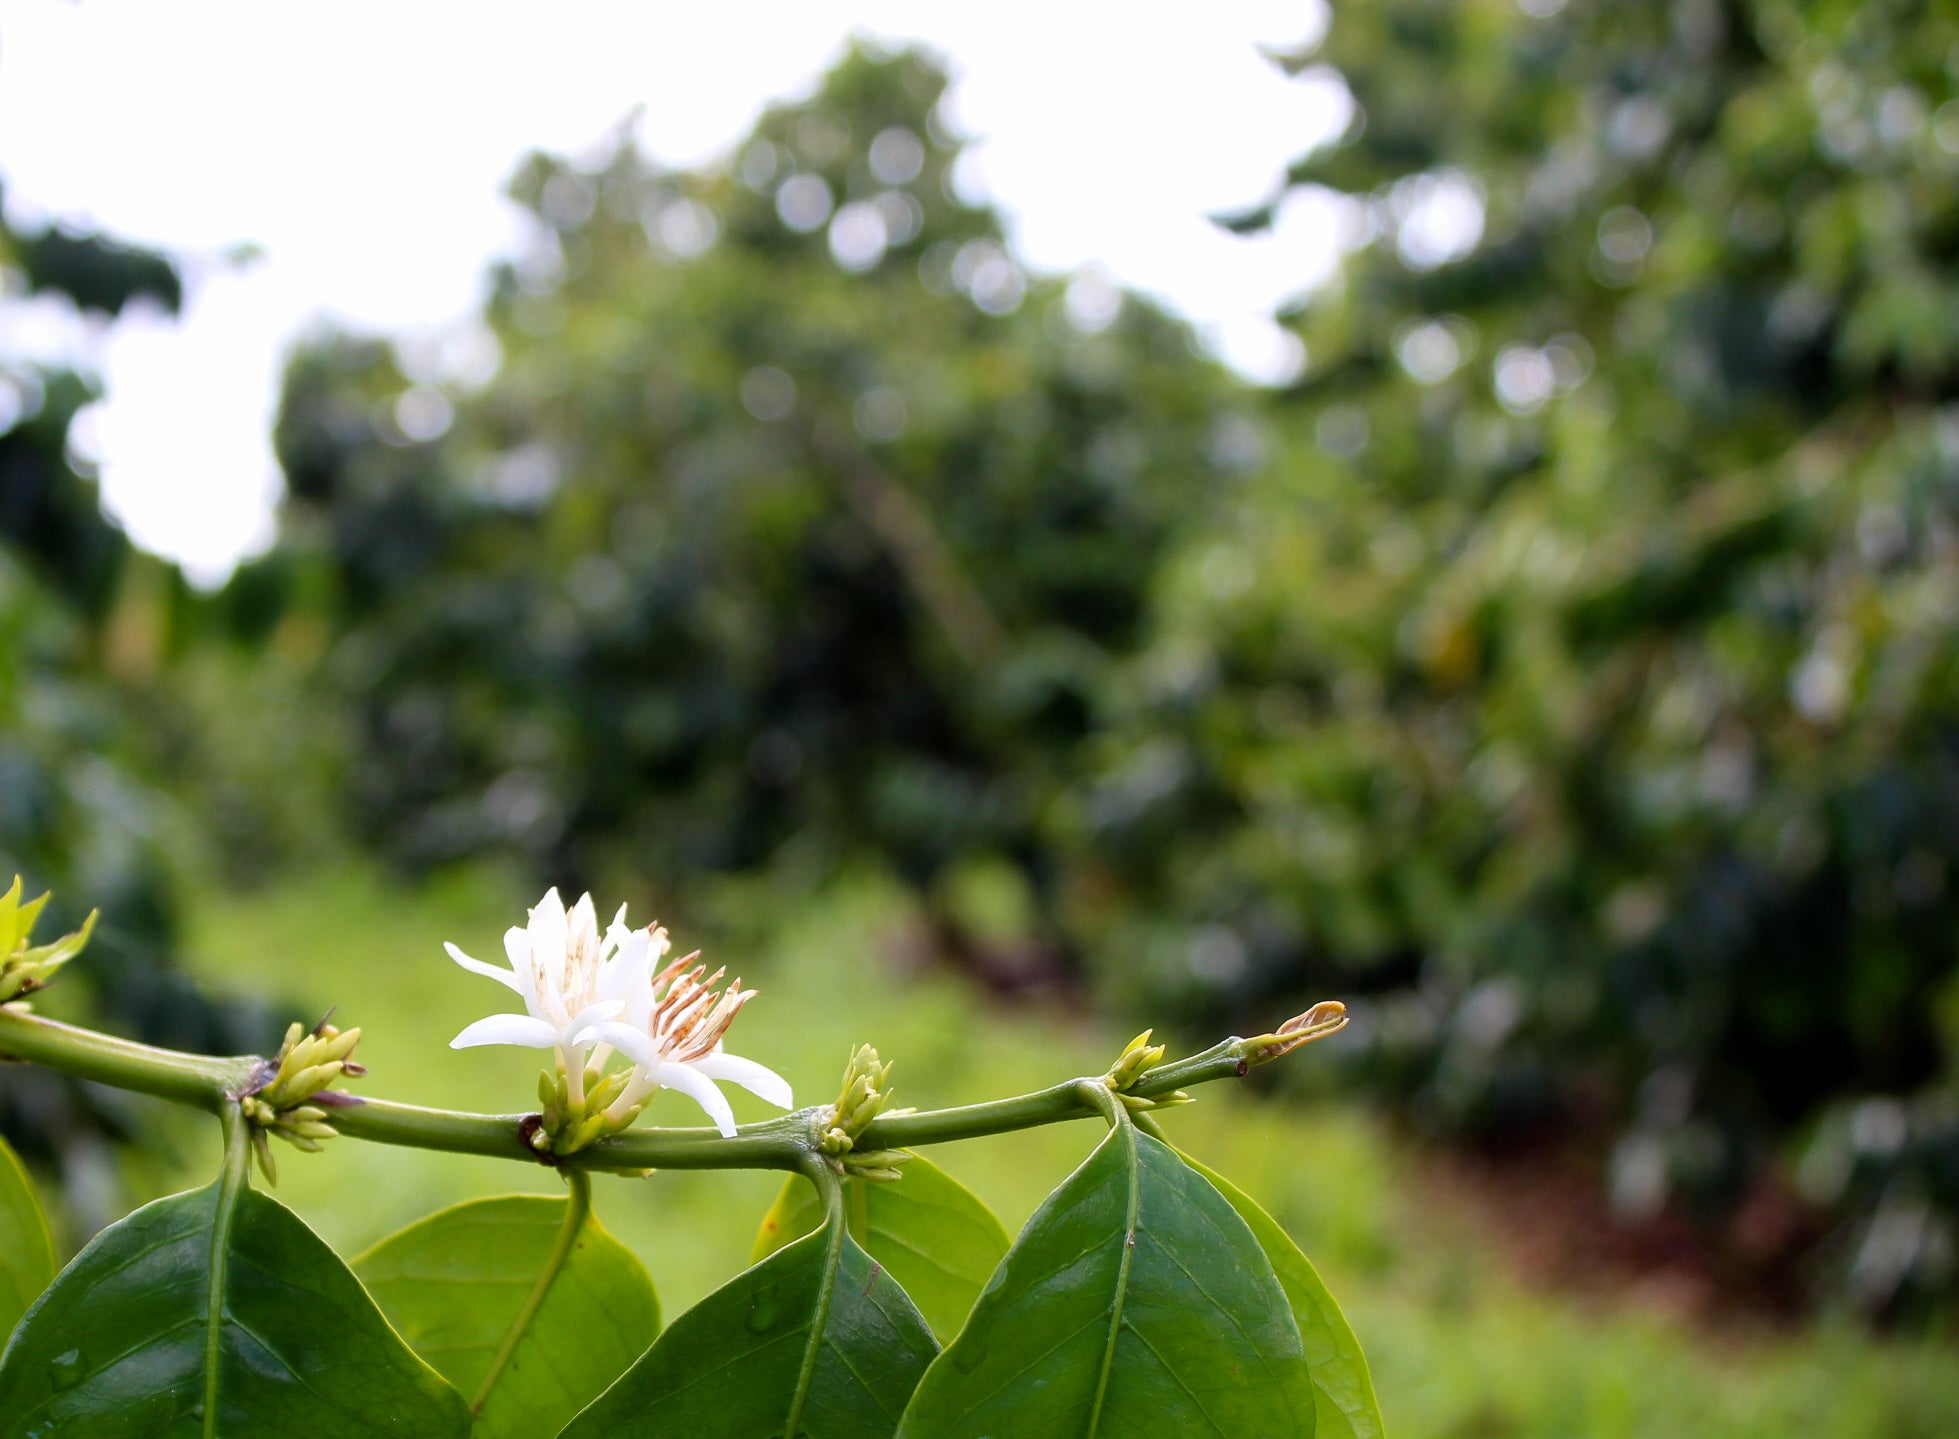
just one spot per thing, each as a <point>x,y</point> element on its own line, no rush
<point>568,977</point>
<point>585,997</point>
<point>672,1028</point>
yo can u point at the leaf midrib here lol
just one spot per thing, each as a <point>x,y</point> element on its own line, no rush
<point>1132,1164</point>
<point>230,1186</point>
<point>578,1209</point>
<point>836,1231</point>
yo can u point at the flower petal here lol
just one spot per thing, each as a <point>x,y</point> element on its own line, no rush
<point>635,1043</point>
<point>521,1029</point>
<point>699,1088</point>
<point>757,1079</point>
<point>548,929</point>
<point>616,932</point>
<point>582,926</point>
<point>517,949</point>
<point>590,1015</point>
<point>503,977</point>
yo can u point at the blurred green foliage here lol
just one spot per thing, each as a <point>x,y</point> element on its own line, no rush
<point>1588,680</point>
<point>766,539</point>
<point>80,635</point>
<point>1564,667</point>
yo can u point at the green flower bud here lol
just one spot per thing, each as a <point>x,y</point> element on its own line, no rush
<point>24,969</point>
<point>1138,1058</point>
<point>866,1094</point>
<point>306,1064</point>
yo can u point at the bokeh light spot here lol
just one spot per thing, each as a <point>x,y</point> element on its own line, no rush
<point>897,156</point>
<point>858,236</point>
<point>768,394</point>
<point>803,202</point>
<point>881,414</point>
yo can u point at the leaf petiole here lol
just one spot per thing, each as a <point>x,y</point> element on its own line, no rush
<point>578,1209</point>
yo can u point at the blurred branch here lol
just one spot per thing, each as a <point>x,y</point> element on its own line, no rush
<point>934,573</point>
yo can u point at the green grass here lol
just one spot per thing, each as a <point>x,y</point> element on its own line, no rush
<point>1459,1349</point>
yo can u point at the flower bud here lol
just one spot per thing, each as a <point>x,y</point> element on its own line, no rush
<point>281,1102</point>
<point>1138,1058</point>
<point>865,1095</point>
<point>877,1165</point>
<point>24,969</point>
<point>1326,1017</point>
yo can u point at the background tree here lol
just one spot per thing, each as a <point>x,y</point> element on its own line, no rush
<point>798,523</point>
<point>1584,679</point>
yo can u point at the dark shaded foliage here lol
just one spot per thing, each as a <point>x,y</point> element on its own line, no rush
<point>1589,692</point>
<point>79,814</point>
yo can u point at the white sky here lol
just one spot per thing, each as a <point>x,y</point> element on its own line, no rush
<point>363,148</point>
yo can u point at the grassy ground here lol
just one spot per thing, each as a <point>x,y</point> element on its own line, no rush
<point>1458,1348</point>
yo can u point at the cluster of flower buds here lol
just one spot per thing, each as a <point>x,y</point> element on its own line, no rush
<point>1324,1018</point>
<point>291,1093</point>
<point>568,1120</point>
<point>866,1094</point>
<point>1138,1058</point>
<point>23,969</point>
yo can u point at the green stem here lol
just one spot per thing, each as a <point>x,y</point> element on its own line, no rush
<point>785,1143</point>
<point>1098,1098</point>
<point>1227,1059</point>
<point>773,1144</point>
<point>121,1063</point>
<point>970,1121</point>
<point>578,1208</point>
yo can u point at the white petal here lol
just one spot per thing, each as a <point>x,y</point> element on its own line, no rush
<point>547,931</point>
<point>629,971</point>
<point>582,926</point>
<point>590,1016</point>
<point>758,1080</point>
<point>507,1029</point>
<point>517,949</point>
<point>699,1088</point>
<point>488,971</point>
<point>618,930</point>
<point>630,1040</point>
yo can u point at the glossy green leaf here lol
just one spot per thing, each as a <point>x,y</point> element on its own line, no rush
<point>216,1313</point>
<point>932,1232</point>
<point>1343,1391</point>
<point>26,1253</point>
<point>457,1286</point>
<point>816,1340</point>
<point>1136,1302</point>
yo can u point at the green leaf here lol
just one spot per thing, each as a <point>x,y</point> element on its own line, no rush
<point>932,1232</point>
<point>26,1252</point>
<point>1135,1302</point>
<point>1343,1391</point>
<point>458,1283</point>
<point>216,1313</point>
<point>816,1340</point>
